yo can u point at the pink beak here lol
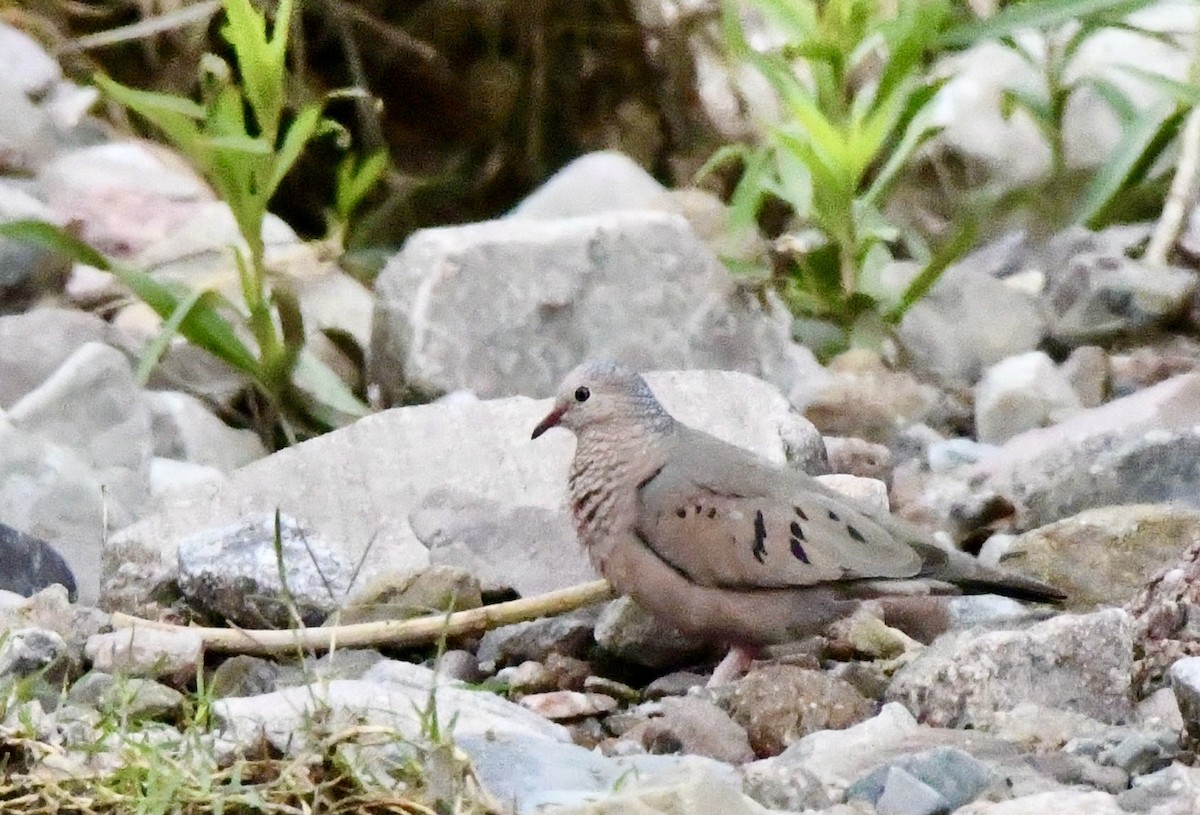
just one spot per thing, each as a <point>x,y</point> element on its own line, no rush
<point>550,421</point>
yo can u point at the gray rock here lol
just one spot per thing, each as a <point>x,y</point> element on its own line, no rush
<point>184,429</point>
<point>1104,556</point>
<point>28,651</point>
<point>235,571</point>
<point>51,610</point>
<point>25,64</point>
<point>1141,753</point>
<point>954,778</point>
<point>903,793</point>
<point>1087,371</point>
<point>28,139</point>
<point>566,297</point>
<point>627,631</point>
<point>953,332</point>
<point>604,181</point>
<point>1020,393</point>
<point>170,655</point>
<point>29,564</point>
<point>527,549</point>
<point>133,698</point>
<point>1082,663</point>
<point>93,406</point>
<point>168,475</point>
<point>27,272</point>
<point>693,727</point>
<point>1184,675</point>
<point>357,486</point>
<point>1102,296</point>
<point>1170,791</point>
<point>568,634</point>
<point>1103,456</point>
<point>1060,802</point>
<point>50,492</point>
<point>37,342</point>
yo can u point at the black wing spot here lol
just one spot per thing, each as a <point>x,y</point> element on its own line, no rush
<point>855,534</point>
<point>760,537</point>
<point>797,532</point>
<point>712,512</point>
<point>800,513</point>
<point>833,516</point>
<point>698,508</point>
<point>681,512</point>
<point>592,513</point>
<point>798,551</point>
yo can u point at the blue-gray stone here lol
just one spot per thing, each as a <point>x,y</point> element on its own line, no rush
<point>957,776</point>
<point>29,564</point>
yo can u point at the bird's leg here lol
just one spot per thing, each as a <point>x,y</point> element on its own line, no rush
<point>734,665</point>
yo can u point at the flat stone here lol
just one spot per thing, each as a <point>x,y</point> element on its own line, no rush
<point>37,342</point>
<point>1082,663</point>
<point>603,181</point>
<point>1020,393</point>
<point>172,656</point>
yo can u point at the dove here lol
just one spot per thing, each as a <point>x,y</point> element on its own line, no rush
<point>720,543</point>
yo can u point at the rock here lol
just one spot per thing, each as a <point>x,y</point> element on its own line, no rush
<point>168,475</point>
<point>603,181</point>
<point>437,590</point>
<point>527,549</point>
<point>866,400</point>
<point>953,332</point>
<point>51,610</point>
<point>858,457</point>
<point>779,704</point>
<point>123,196</point>
<point>562,705</point>
<point>870,492</point>
<point>1101,296</point>
<point>1105,556</point>
<point>23,63</point>
<point>631,634</point>
<point>1020,393</point>
<point>1076,662</point>
<point>130,698</point>
<point>357,486</point>
<point>676,683</point>
<point>1166,628</point>
<point>28,139</point>
<point>1060,802</point>
<point>50,492</point>
<point>460,665</point>
<point>245,675</point>
<point>185,430</point>
<point>557,673</point>
<point>37,343</point>
<point>1171,791</point>
<point>170,655</point>
<point>692,727</point>
<point>1184,675</point>
<point>235,572</point>
<point>1103,456</point>
<point>902,793</point>
<point>28,651</point>
<point>1087,371</point>
<point>28,273</point>
<point>91,405</point>
<point>565,297</point>
<point>569,635</point>
<point>29,564</point>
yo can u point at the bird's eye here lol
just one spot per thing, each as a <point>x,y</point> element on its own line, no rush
<point>582,394</point>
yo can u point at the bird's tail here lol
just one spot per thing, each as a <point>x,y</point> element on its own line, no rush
<point>973,577</point>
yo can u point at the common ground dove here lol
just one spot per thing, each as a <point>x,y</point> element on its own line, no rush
<point>718,542</point>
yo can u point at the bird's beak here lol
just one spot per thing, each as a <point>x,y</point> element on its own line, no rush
<point>550,421</point>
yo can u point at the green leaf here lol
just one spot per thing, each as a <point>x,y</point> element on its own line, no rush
<point>1185,93</point>
<point>318,380</point>
<point>49,236</point>
<point>1116,99</point>
<point>176,117</point>
<point>723,155</point>
<point>1035,14</point>
<point>298,134</point>
<point>170,327</point>
<point>950,251</point>
<point>1141,143</point>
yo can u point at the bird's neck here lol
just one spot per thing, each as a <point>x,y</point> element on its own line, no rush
<point>606,473</point>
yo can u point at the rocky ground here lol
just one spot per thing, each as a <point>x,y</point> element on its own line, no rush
<point>1041,408</point>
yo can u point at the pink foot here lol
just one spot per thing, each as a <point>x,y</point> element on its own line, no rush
<point>733,666</point>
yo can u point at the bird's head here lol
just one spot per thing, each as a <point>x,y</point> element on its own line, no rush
<point>603,394</point>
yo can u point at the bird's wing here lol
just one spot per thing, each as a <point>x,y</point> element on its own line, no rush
<point>722,517</point>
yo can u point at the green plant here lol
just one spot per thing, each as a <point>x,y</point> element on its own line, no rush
<point>241,139</point>
<point>855,93</point>
<point>1049,39</point>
